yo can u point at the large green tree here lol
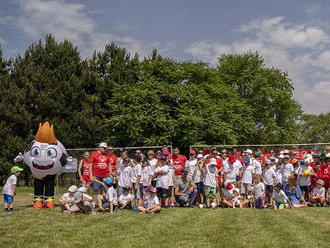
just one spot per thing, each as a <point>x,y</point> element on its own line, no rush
<point>314,128</point>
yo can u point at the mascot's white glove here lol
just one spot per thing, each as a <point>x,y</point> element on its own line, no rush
<point>19,158</point>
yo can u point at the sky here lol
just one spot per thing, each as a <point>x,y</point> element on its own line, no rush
<point>293,36</point>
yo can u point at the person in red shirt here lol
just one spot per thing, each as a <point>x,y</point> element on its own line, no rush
<point>326,177</point>
<point>99,169</point>
<point>318,174</point>
<point>113,160</point>
<point>83,171</point>
<point>178,161</point>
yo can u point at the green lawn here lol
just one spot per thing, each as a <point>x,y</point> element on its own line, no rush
<point>27,227</point>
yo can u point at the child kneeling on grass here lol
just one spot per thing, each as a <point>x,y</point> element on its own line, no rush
<point>67,201</point>
<point>318,193</point>
<point>108,200</point>
<point>151,204</point>
<point>280,200</point>
<point>9,190</point>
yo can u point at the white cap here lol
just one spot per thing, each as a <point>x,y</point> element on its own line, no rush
<point>199,156</point>
<point>267,161</point>
<point>82,190</point>
<point>286,151</point>
<point>72,189</point>
<point>249,151</point>
<point>281,156</point>
<point>103,144</point>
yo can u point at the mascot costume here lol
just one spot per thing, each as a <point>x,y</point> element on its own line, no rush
<point>46,157</point>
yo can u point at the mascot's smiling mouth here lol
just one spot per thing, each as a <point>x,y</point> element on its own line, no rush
<point>43,167</point>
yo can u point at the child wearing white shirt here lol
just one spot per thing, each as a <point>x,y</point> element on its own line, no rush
<point>210,173</point>
<point>269,176</point>
<point>151,204</point>
<point>259,192</point>
<point>247,172</point>
<point>126,200</point>
<point>280,200</point>
<point>136,179</point>
<point>318,193</point>
<point>9,189</point>
<point>305,172</point>
<point>125,173</point>
<point>108,200</point>
<point>162,175</point>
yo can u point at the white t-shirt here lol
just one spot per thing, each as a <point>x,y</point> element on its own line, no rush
<point>171,172</point>
<point>152,201</point>
<point>153,164</point>
<point>191,165</point>
<point>257,166</point>
<point>280,196</point>
<point>125,198</point>
<point>68,197</point>
<point>269,175</point>
<point>304,181</point>
<point>230,169</point>
<point>136,171</point>
<point>211,173</point>
<point>163,179</point>
<point>319,191</point>
<point>286,171</point>
<point>111,195</point>
<point>258,190</point>
<point>145,174</point>
<point>125,176</point>
<point>247,174</point>
<point>278,177</point>
<point>7,189</point>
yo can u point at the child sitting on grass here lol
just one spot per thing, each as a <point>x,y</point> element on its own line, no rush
<point>9,190</point>
<point>126,200</point>
<point>86,204</point>
<point>236,200</point>
<point>280,200</point>
<point>108,200</point>
<point>67,201</point>
<point>151,204</point>
<point>318,193</point>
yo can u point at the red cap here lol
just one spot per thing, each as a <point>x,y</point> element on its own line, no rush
<point>231,158</point>
<point>229,186</point>
<point>192,152</point>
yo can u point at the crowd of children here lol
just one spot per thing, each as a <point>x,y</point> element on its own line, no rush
<point>149,182</point>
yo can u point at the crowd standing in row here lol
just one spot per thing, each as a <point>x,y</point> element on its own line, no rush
<point>212,178</point>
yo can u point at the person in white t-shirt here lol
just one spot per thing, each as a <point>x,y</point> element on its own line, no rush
<point>278,174</point>
<point>146,177</point>
<point>86,204</point>
<point>136,179</point>
<point>247,172</point>
<point>259,192</point>
<point>280,200</point>
<point>210,173</point>
<point>108,200</point>
<point>9,189</point>
<point>230,170</point>
<point>126,200</point>
<point>125,172</point>
<point>304,177</point>
<point>269,176</point>
<point>286,170</point>
<point>153,162</point>
<point>318,193</point>
<point>162,175</point>
<point>256,164</point>
<point>151,204</point>
<point>67,200</point>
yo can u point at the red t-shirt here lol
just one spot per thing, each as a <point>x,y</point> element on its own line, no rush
<point>219,165</point>
<point>319,175</point>
<point>85,175</point>
<point>179,161</point>
<point>326,177</point>
<point>100,163</point>
<point>113,161</point>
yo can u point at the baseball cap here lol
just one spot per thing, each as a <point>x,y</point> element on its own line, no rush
<point>72,189</point>
<point>231,158</point>
<point>122,149</point>
<point>199,156</point>
<point>249,151</point>
<point>103,144</point>
<point>281,156</point>
<point>82,190</point>
<point>192,152</point>
<point>267,161</point>
<point>229,186</point>
<point>272,158</point>
<point>108,181</point>
<point>302,162</point>
<point>320,181</point>
<point>246,160</point>
<point>257,154</point>
<point>15,169</point>
<point>286,151</point>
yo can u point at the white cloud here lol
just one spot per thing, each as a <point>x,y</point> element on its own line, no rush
<point>301,50</point>
<point>71,21</point>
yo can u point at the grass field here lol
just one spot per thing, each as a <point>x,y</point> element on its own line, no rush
<point>27,227</point>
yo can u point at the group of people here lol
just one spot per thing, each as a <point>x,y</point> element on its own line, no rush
<point>147,182</point>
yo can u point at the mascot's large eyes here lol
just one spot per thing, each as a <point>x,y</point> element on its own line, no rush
<point>35,151</point>
<point>51,152</point>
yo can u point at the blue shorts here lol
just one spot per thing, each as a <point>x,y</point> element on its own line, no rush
<point>200,187</point>
<point>96,186</point>
<point>8,199</point>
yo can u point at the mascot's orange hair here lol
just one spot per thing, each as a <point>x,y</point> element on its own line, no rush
<point>45,133</point>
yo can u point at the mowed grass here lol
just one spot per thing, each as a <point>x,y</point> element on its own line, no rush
<point>176,227</point>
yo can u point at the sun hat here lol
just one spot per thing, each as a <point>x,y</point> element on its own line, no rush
<point>199,156</point>
<point>15,169</point>
<point>103,144</point>
<point>82,190</point>
<point>72,189</point>
<point>192,152</point>
<point>108,181</point>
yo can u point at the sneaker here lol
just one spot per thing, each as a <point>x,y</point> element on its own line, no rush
<point>66,212</point>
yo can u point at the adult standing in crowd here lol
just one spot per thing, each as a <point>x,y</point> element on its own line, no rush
<point>178,161</point>
<point>83,171</point>
<point>113,161</point>
<point>99,168</point>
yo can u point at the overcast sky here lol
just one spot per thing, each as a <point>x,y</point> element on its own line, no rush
<point>291,35</point>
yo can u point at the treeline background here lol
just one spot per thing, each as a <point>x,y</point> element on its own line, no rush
<point>125,100</point>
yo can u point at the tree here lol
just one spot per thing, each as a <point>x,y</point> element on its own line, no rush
<point>314,128</point>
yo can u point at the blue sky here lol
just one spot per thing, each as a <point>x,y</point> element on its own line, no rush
<point>291,35</point>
